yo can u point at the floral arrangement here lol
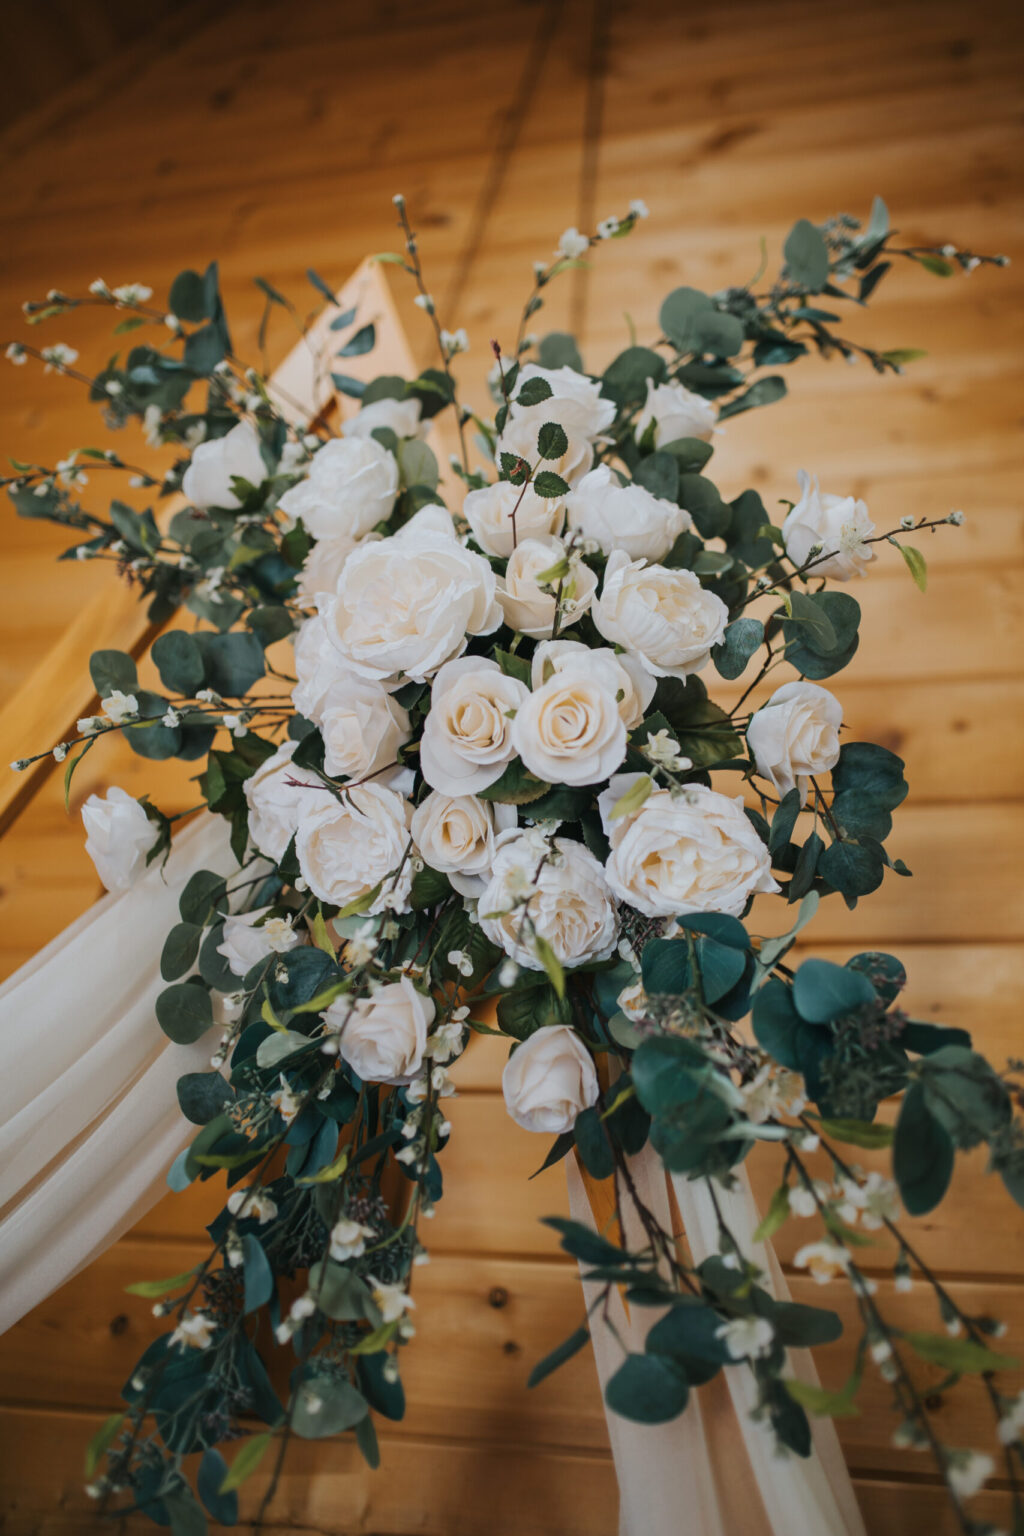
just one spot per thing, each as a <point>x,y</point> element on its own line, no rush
<point>491,770</point>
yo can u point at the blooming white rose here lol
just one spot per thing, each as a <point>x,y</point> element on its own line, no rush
<point>455,834</point>
<point>549,1079</point>
<point>839,524</point>
<point>363,728</point>
<point>795,735</point>
<point>569,731</point>
<point>119,835</point>
<point>676,413</point>
<point>402,417</point>
<point>348,847</point>
<point>489,515</point>
<point>558,891</point>
<point>625,517</point>
<point>621,674</point>
<point>351,486</point>
<point>404,606</point>
<point>664,617</point>
<point>250,937</point>
<point>323,566</point>
<point>277,795</point>
<point>575,403</point>
<point>207,481</point>
<point>695,852</point>
<point>467,735</point>
<point>383,1037</point>
<point>318,666</point>
<point>531,609</point>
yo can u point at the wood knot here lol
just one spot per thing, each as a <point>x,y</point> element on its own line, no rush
<point>498,1297</point>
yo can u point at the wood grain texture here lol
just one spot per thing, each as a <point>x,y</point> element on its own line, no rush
<point>273,138</point>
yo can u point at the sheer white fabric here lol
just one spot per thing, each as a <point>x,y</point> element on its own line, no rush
<point>89,1121</point>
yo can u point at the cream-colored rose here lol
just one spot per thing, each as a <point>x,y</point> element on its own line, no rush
<point>575,403</point>
<point>318,666</point>
<point>557,890</point>
<point>383,1037</point>
<point>251,937</point>
<point>207,481</point>
<point>625,517</point>
<point>664,617</point>
<point>569,731</point>
<point>795,735</point>
<point>323,567</point>
<point>621,674</point>
<point>694,852</point>
<point>839,524</point>
<point>676,413</point>
<point>467,735</point>
<point>530,608</point>
<point>356,843</point>
<point>404,606</point>
<point>402,417</point>
<point>455,834</point>
<point>278,795</point>
<point>119,835</point>
<point>351,486</point>
<point>363,728</point>
<point>489,515</point>
<point>548,1080</point>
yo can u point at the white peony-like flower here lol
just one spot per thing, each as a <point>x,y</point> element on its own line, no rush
<point>795,736</point>
<point>119,835</point>
<point>489,515</point>
<point>549,1079</point>
<point>575,403</point>
<point>323,567</point>
<point>664,617</point>
<point>570,731</point>
<point>356,843</point>
<point>621,674</point>
<point>455,834</point>
<point>624,517</point>
<point>558,892</point>
<point>363,728</point>
<point>467,736</point>
<point>676,412</point>
<point>207,481</point>
<point>402,417</point>
<point>404,606</point>
<point>351,486</point>
<point>695,852</point>
<point>838,524</point>
<point>383,1038</point>
<point>318,666</point>
<point>276,803</point>
<point>530,608</point>
<point>250,937</point>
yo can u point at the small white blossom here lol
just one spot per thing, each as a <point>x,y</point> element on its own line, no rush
<point>508,973</point>
<point>390,1300</point>
<point>348,1239</point>
<point>60,752</point>
<point>1011,1420</point>
<point>455,341</point>
<point>771,1093</point>
<point>59,357</point>
<point>250,1203</point>
<point>572,245</point>
<point>662,749</point>
<point>16,354</point>
<point>802,1201</point>
<point>171,719</point>
<point>99,287</point>
<point>967,1471</point>
<point>113,387</point>
<point>824,1261</point>
<point>89,725</point>
<point>285,1102</point>
<point>462,962</point>
<point>747,1337</point>
<point>607,228</point>
<point>633,1001</point>
<point>424,301</point>
<point>132,293</point>
<point>907,522</point>
<point>361,946</point>
<point>639,209</point>
<point>195,1331</point>
<point>207,696</point>
<point>956,518</point>
<point>876,1198</point>
<point>118,706</point>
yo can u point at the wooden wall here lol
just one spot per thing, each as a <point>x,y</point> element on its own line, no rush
<point>273,136</point>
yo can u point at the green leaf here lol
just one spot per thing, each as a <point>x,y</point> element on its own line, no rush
<point>184,1012</point>
<point>516,786</point>
<point>257,1274</point>
<point>853,869</point>
<point>936,265</point>
<point>233,662</point>
<point>245,1463</point>
<point>806,256</point>
<point>777,1025</point>
<point>776,1214</point>
<point>559,350</point>
<point>900,355</point>
<point>693,324</point>
<point>763,392</point>
<point>112,670</point>
<point>558,1356</point>
<point>151,1288</point>
<point>626,377</point>
<point>649,1389</point>
<point>859,1133</point>
<point>633,798</point>
<point>659,474</point>
<point>916,564</point>
<point>552,441</point>
<point>549,485</point>
<point>181,947</point>
<point>326,1405</point>
<point>179,662</point>
<point>689,1331</point>
<point>551,963</point>
<point>818,632</point>
<point>514,666</point>
<point>960,1355</point>
<point>358,904</point>
<point>584,1243</point>
<point>101,1442</point>
<point>816,1399</point>
<point>202,1096</point>
<point>922,1154</point>
<point>188,297</point>
<point>417,464</point>
<point>824,992</point>
<point>362,342</point>
<point>740,641</point>
<point>213,1469</point>
<point>534,392</point>
<point>345,384</point>
<point>594,1146</point>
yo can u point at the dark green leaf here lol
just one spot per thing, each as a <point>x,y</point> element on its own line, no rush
<point>824,992</point>
<point>112,671</point>
<point>649,1389</point>
<point>558,1356</point>
<point>806,256</point>
<point>552,442</point>
<point>741,640</point>
<point>922,1155</point>
<point>259,1277</point>
<point>180,950</point>
<point>179,662</point>
<point>184,1012</point>
<point>549,485</point>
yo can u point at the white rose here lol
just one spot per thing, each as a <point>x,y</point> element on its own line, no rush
<point>250,937</point>
<point>693,853</point>
<point>548,1080</point>
<point>363,728</point>
<point>621,674</point>
<point>402,417</point>
<point>455,834</point>
<point>676,413</point>
<point>405,606</point>
<point>276,804</point>
<point>207,481</point>
<point>383,1037</point>
<point>119,835</point>
<point>351,486</point>
<point>568,903</point>
<point>575,404</point>
<point>322,568</point>
<point>489,515</point>
<point>318,666</point>
<point>795,735</point>
<point>348,847</point>
<point>666,618</point>
<point>467,735</point>
<point>625,517</point>
<point>527,607</point>
<point>840,524</point>
<point>569,731</point>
